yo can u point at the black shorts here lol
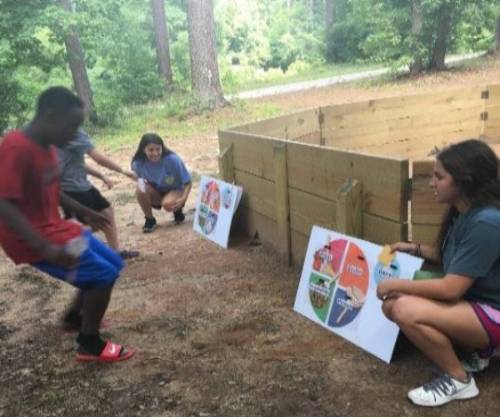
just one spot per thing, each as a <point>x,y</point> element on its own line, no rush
<point>92,199</point>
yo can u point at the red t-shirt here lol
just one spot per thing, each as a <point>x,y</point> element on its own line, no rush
<point>29,178</point>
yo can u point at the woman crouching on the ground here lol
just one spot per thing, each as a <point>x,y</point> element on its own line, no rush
<point>463,308</point>
<point>164,180</point>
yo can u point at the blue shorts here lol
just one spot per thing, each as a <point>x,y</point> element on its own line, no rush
<point>98,266</point>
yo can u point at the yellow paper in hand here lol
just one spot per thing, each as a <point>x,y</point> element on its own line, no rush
<point>386,257</point>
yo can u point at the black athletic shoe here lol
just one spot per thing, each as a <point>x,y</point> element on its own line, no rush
<point>179,216</point>
<point>149,225</point>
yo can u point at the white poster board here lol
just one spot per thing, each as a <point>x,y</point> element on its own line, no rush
<point>338,288</point>
<point>215,206</point>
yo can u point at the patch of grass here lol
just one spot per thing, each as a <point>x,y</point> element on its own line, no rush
<point>249,80</point>
<point>122,198</point>
<point>156,117</point>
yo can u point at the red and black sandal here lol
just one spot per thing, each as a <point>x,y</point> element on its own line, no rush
<point>112,352</point>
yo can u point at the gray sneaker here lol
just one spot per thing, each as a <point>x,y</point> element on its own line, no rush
<point>443,390</point>
<point>475,363</point>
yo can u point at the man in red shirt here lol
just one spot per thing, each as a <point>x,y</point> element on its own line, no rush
<point>32,230</point>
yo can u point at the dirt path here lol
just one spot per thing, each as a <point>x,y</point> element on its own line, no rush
<point>214,328</point>
<point>337,79</point>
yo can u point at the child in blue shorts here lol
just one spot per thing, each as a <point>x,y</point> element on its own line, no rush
<point>32,230</point>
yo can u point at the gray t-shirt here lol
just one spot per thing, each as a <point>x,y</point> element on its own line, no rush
<point>72,163</point>
<point>472,249</point>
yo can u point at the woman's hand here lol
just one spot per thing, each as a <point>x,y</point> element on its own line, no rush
<point>405,247</point>
<point>386,289</point>
<point>131,174</point>
<point>178,204</point>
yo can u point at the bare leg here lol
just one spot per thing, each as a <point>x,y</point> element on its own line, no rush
<point>147,199</point>
<point>169,200</point>
<point>110,232</point>
<point>434,326</point>
<point>95,304</point>
<point>72,318</point>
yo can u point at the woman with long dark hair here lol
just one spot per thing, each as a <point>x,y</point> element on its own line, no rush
<point>164,182</point>
<point>462,309</point>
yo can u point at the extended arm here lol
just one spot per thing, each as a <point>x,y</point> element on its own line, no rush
<point>451,288</point>
<point>106,162</point>
<point>97,174</point>
<point>95,220</point>
<point>427,252</point>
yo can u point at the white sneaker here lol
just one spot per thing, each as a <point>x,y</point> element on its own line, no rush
<point>443,390</point>
<point>475,363</point>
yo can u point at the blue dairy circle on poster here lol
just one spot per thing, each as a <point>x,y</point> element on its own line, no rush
<point>227,197</point>
<point>343,311</point>
<point>382,271</point>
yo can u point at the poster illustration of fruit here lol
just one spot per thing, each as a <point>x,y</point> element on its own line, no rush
<point>216,204</point>
<point>338,285</point>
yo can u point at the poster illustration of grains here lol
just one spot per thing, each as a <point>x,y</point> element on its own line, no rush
<point>338,286</point>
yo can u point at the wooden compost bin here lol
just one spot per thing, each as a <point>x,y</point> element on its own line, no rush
<point>360,168</point>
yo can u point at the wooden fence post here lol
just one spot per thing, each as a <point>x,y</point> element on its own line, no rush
<point>349,208</point>
<point>485,95</point>
<point>282,203</point>
<point>226,165</point>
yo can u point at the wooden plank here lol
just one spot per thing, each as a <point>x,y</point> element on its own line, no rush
<point>420,147</point>
<point>349,203</point>
<point>396,107</point>
<point>289,126</point>
<point>383,231</point>
<point>251,154</point>
<point>492,124</point>
<point>307,210</point>
<point>313,138</point>
<point>401,125</point>
<point>282,205</point>
<point>226,166</point>
<point>299,243</point>
<point>363,123</point>
<point>258,194</point>
<point>253,223</point>
<point>424,208</point>
<point>322,171</point>
<point>376,229</point>
<point>425,233</point>
<point>408,129</point>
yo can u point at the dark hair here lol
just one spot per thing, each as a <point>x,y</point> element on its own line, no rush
<point>59,99</point>
<point>148,139</point>
<point>473,166</point>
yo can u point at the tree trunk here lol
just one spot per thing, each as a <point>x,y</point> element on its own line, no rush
<point>330,14</point>
<point>205,80</point>
<point>416,31</point>
<point>161,41</point>
<point>76,62</point>
<point>443,32</point>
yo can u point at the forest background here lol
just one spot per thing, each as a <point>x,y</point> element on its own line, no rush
<point>186,54</point>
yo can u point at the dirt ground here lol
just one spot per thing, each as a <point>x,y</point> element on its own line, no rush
<point>215,330</point>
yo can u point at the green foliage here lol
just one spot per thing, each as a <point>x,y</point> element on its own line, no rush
<point>259,42</point>
<point>344,41</point>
